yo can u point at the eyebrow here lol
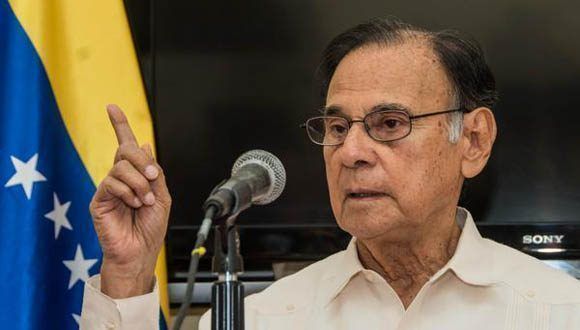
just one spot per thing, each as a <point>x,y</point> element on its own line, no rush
<point>334,110</point>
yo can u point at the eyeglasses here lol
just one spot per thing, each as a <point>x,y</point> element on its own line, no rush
<point>382,126</point>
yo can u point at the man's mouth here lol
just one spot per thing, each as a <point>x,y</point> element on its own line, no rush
<point>364,195</point>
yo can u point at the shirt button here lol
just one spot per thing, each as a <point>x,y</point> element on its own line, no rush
<point>110,325</point>
<point>290,307</point>
<point>531,294</point>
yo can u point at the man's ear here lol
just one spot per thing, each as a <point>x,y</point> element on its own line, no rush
<point>479,133</point>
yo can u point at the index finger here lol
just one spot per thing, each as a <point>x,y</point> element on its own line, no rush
<point>121,125</point>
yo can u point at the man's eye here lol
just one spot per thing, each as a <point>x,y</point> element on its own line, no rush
<point>337,128</point>
<point>392,123</point>
<point>388,121</point>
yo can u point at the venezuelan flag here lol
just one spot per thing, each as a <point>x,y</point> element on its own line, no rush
<point>61,62</point>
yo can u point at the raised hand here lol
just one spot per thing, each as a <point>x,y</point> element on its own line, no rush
<point>130,211</point>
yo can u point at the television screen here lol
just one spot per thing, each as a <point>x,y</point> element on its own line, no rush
<point>227,77</point>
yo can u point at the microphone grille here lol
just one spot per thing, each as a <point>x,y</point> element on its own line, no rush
<point>273,166</point>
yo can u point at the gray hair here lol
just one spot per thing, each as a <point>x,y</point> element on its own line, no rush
<point>455,121</point>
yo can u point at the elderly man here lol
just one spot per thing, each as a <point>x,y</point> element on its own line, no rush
<point>408,117</point>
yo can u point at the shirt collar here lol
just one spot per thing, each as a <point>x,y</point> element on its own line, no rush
<point>336,278</point>
<point>471,262</point>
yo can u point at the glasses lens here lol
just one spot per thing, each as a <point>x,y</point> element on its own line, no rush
<point>327,130</point>
<point>388,125</point>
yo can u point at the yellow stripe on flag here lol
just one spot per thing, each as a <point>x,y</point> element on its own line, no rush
<point>161,273</point>
<point>87,51</point>
<point>88,54</point>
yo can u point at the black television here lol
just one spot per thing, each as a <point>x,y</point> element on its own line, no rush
<point>224,77</point>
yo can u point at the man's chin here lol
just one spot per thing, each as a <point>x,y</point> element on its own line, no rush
<point>366,226</point>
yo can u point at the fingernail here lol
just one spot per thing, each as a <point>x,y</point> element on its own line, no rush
<point>150,198</point>
<point>137,202</point>
<point>151,172</point>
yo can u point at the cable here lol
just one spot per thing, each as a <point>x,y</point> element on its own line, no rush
<point>197,252</point>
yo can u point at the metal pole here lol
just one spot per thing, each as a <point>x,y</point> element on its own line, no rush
<point>227,298</point>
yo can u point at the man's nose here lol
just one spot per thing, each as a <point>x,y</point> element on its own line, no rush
<point>357,150</point>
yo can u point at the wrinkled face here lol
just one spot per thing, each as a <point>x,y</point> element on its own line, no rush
<point>397,187</point>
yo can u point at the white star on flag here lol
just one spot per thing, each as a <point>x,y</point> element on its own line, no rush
<point>26,174</point>
<point>79,267</point>
<point>58,216</point>
<point>77,318</point>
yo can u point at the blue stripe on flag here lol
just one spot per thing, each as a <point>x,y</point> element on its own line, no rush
<point>162,321</point>
<point>38,244</point>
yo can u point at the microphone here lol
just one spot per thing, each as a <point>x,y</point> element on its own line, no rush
<point>258,177</point>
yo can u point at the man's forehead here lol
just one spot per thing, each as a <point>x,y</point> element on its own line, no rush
<point>404,56</point>
<point>404,73</point>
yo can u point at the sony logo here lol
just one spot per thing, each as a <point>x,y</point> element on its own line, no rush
<point>542,239</point>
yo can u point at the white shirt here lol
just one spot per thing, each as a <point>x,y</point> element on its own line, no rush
<point>485,285</point>
<point>100,312</point>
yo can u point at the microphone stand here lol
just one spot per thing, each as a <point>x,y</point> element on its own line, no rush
<point>227,293</point>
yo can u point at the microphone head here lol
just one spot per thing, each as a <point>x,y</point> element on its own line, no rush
<point>272,165</point>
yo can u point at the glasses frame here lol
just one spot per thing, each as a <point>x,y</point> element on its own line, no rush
<point>367,128</point>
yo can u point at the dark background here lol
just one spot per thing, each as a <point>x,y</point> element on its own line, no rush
<point>224,77</point>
